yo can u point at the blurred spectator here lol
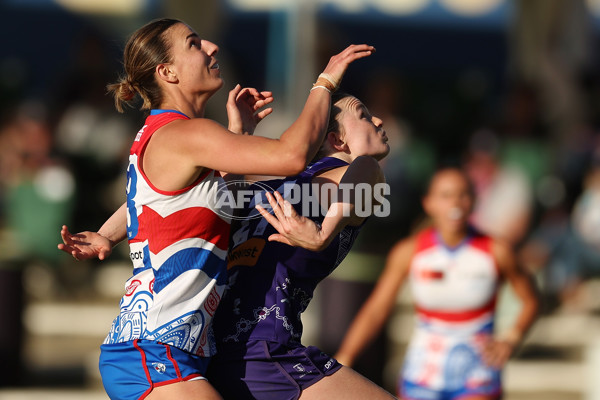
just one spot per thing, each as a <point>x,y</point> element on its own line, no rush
<point>577,257</point>
<point>523,137</point>
<point>565,246</point>
<point>540,249</point>
<point>37,187</point>
<point>409,164</point>
<point>37,192</point>
<point>89,133</point>
<point>504,195</point>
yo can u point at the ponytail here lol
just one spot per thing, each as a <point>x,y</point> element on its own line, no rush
<point>145,49</point>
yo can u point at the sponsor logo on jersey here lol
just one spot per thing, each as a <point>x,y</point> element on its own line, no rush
<point>246,254</point>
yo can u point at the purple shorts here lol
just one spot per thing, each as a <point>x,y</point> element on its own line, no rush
<point>264,370</point>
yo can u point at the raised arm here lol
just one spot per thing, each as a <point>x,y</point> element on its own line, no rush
<point>499,351</point>
<point>218,148</point>
<point>372,316</point>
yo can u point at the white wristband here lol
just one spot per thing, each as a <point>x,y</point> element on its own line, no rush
<point>330,79</point>
<point>319,86</point>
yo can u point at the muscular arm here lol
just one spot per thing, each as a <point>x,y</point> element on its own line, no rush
<point>219,149</point>
<point>178,150</point>
<point>372,316</point>
<point>363,170</point>
<point>115,228</point>
<point>522,285</point>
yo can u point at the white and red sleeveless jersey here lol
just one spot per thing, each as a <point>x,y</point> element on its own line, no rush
<point>454,291</point>
<point>453,285</point>
<point>178,245</point>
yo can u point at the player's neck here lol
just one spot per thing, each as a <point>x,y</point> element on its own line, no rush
<point>341,155</point>
<point>453,238</point>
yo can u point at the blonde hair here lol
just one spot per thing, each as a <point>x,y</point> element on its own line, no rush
<point>146,48</point>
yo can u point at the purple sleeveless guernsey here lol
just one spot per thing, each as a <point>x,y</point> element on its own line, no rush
<point>270,283</point>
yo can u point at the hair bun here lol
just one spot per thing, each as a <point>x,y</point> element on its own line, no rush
<point>127,90</point>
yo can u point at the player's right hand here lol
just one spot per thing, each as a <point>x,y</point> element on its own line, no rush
<point>338,64</point>
<point>85,245</point>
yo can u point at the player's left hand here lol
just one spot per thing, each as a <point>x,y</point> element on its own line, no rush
<point>497,352</point>
<point>245,108</point>
<point>294,229</point>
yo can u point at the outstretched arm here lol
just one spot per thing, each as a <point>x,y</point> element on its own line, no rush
<point>372,316</point>
<point>86,245</point>
<point>498,351</point>
<point>179,143</point>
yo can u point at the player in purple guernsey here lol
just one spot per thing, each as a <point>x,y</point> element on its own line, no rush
<point>271,278</point>
<point>293,272</point>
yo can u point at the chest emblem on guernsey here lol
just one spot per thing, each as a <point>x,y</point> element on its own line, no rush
<point>431,275</point>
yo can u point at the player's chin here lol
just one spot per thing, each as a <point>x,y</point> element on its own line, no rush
<point>218,84</point>
<point>384,151</point>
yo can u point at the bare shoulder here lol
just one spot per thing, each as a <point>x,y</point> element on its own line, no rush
<point>503,253</point>
<point>191,139</point>
<point>186,129</point>
<point>363,169</point>
<point>403,250</point>
<point>366,162</point>
<point>368,168</point>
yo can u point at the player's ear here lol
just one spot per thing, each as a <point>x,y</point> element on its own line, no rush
<point>165,72</point>
<point>337,142</point>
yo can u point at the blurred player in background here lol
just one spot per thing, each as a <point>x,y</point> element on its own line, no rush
<point>454,274</point>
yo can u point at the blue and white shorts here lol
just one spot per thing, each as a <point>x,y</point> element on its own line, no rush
<point>442,372</point>
<point>130,370</point>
